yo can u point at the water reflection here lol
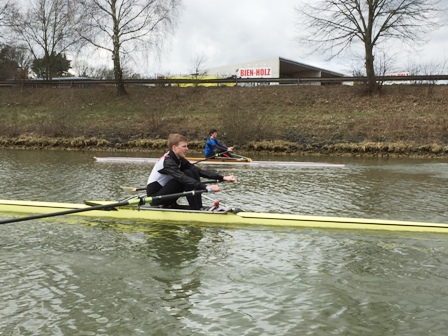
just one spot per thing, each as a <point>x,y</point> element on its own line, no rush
<point>175,249</point>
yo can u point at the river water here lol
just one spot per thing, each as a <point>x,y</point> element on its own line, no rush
<point>76,276</point>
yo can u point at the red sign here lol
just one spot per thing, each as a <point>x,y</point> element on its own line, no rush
<point>399,74</point>
<point>254,72</point>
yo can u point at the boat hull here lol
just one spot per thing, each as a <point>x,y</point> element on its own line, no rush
<point>222,218</point>
<point>216,161</point>
<point>220,159</point>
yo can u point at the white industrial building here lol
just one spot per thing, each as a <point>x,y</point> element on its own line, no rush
<point>275,67</point>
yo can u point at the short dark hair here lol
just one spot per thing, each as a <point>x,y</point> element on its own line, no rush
<point>213,130</point>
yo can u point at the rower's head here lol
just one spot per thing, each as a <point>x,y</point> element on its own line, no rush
<point>178,144</point>
<point>213,132</point>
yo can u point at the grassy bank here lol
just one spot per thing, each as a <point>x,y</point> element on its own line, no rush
<point>341,120</point>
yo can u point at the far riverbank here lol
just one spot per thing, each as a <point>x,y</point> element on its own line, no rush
<point>404,120</point>
<point>260,148</point>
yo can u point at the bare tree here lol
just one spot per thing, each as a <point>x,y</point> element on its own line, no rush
<point>336,25</point>
<point>125,27</point>
<point>100,72</point>
<point>427,69</point>
<point>47,29</point>
<point>7,7</point>
<point>384,63</point>
<point>81,68</point>
<point>4,6</point>
<point>198,65</point>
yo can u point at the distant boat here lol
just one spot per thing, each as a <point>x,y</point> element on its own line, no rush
<point>220,160</point>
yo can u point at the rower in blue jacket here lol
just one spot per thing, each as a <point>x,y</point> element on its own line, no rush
<point>214,147</point>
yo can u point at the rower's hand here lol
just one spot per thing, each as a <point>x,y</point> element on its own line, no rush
<point>229,178</point>
<point>229,149</point>
<point>213,188</point>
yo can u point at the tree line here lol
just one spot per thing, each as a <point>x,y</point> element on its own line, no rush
<point>48,29</point>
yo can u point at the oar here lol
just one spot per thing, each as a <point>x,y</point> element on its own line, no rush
<point>218,155</point>
<point>132,190</point>
<point>242,157</point>
<point>135,201</point>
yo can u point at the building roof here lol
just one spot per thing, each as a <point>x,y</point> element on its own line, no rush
<point>289,68</point>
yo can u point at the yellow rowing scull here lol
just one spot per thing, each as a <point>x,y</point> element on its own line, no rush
<point>219,217</point>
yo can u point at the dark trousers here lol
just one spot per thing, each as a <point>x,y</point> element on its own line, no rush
<point>173,187</point>
<point>226,155</point>
<point>223,154</point>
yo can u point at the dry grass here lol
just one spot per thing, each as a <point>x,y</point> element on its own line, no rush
<point>326,119</point>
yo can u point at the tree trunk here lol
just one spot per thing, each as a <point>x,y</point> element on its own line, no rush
<point>118,72</point>
<point>47,66</point>
<point>370,70</point>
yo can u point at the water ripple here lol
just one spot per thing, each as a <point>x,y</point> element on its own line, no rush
<point>74,276</point>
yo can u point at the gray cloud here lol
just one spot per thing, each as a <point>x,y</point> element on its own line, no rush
<point>234,31</point>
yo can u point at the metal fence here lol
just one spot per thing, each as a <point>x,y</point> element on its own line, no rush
<point>167,82</point>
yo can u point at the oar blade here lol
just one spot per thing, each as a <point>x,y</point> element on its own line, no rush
<point>131,190</point>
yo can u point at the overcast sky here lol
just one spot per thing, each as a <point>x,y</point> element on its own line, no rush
<point>233,31</point>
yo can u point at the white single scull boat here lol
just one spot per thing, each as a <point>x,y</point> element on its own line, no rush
<point>219,161</point>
